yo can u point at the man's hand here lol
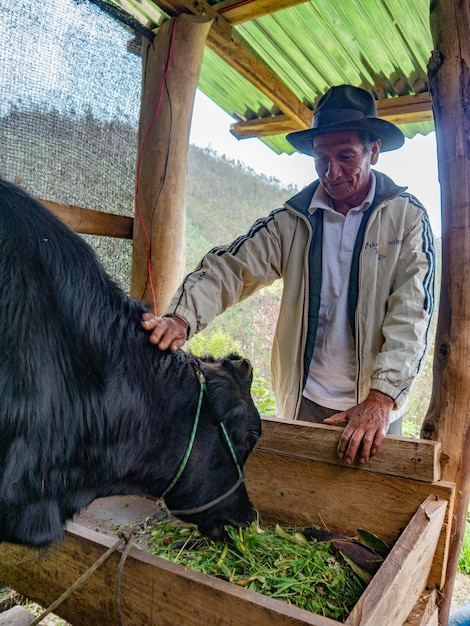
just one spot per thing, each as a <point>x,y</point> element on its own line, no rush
<point>367,425</point>
<point>169,332</point>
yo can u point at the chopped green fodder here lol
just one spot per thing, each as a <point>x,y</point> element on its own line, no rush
<point>274,561</point>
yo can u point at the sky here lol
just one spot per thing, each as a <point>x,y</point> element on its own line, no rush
<point>414,165</point>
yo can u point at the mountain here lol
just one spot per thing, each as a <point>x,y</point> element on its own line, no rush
<point>224,198</point>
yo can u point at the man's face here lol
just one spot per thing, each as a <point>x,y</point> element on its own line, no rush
<point>343,165</point>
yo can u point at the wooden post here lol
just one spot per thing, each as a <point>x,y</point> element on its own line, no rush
<point>171,66</point>
<point>448,418</point>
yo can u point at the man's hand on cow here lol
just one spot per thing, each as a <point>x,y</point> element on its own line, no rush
<point>168,333</point>
<point>367,425</point>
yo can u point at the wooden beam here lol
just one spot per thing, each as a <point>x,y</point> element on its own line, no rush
<point>238,57</point>
<point>198,7</point>
<point>398,456</point>
<point>91,222</point>
<point>400,110</point>
<point>168,92</point>
<point>425,611</point>
<point>448,418</point>
<point>406,109</point>
<point>237,12</point>
<point>264,127</point>
<point>459,526</point>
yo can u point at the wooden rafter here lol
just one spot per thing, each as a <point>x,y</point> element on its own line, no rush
<point>261,77</point>
<point>400,110</point>
<point>405,109</point>
<point>236,11</point>
<point>90,222</point>
<point>197,7</point>
<point>264,127</point>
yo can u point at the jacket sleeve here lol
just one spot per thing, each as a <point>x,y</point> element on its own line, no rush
<point>227,275</point>
<point>408,320</point>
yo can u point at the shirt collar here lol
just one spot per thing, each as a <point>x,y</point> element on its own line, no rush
<point>321,200</point>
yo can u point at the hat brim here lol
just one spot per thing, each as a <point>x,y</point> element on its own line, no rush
<point>390,135</point>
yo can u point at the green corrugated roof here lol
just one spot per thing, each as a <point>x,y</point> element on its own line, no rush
<point>381,45</point>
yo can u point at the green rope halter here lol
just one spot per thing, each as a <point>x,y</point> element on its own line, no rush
<point>232,451</point>
<point>192,437</point>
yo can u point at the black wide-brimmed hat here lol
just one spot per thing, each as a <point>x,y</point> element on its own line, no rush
<point>347,108</point>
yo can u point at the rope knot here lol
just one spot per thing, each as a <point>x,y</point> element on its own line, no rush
<point>200,376</point>
<point>127,535</point>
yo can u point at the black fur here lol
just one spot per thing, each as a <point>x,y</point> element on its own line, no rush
<point>88,407</point>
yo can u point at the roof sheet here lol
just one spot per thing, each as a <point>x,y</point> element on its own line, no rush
<point>381,45</point>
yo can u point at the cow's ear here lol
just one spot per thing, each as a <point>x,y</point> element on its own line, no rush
<point>241,368</point>
<point>228,382</point>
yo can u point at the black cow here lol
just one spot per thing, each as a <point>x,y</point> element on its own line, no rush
<point>89,408</point>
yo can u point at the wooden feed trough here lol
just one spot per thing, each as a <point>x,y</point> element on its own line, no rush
<point>293,478</point>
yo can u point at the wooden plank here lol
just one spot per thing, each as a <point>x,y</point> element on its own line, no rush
<point>289,490</point>
<point>400,110</point>
<point>264,127</point>
<point>259,75</point>
<point>425,612</point>
<point>92,222</point>
<point>398,456</point>
<point>398,584</point>
<point>153,591</point>
<point>144,11</point>
<point>201,7</point>
<point>238,12</point>
<point>406,109</point>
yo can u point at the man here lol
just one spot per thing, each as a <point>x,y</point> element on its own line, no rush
<point>355,252</point>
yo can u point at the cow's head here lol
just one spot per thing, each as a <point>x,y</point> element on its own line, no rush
<point>212,493</point>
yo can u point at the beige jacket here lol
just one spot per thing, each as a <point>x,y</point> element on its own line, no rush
<point>391,291</point>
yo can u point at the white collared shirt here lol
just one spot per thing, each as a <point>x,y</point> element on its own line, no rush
<point>332,373</point>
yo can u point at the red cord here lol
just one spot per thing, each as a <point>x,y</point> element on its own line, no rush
<point>139,164</point>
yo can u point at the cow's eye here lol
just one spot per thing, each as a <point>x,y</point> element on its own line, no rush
<point>251,439</point>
